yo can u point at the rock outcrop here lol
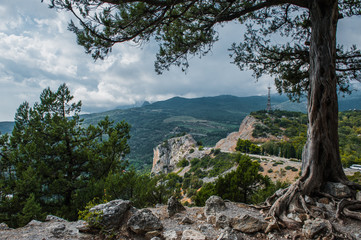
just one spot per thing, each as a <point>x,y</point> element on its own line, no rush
<point>170,152</point>
<point>245,132</point>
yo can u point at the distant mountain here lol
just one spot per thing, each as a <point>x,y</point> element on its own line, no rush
<point>208,119</point>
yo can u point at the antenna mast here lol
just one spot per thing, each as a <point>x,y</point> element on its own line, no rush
<point>269,108</point>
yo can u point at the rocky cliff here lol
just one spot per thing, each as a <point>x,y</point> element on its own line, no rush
<point>170,152</point>
<point>245,132</point>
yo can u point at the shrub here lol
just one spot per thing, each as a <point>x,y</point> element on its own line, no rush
<point>183,163</point>
<point>270,170</point>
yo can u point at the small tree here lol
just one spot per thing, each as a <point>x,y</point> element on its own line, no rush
<point>31,211</point>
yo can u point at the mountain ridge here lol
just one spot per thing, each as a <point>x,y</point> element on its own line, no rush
<point>208,119</point>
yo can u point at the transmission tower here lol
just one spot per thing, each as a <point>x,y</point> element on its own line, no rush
<point>269,108</point>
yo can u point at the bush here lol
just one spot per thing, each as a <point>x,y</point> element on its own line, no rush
<point>183,163</point>
<point>270,170</point>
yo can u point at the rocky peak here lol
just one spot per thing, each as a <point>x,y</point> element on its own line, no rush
<point>170,152</point>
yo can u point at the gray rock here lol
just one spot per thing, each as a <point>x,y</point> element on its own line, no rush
<point>174,206</point>
<point>229,234</point>
<point>152,234</point>
<point>155,238</point>
<point>214,205</point>
<point>144,221</point>
<point>170,235</point>
<point>248,224</point>
<point>358,196</point>
<point>338,190</point>
<point>222,221</point>
<point>207,230</point>
<point>33,223</point>
<point>111,214</point>
<point>58,230</point>
<point>54,219</point>
<point>190,234</point>
<point>313,227</point>
<point>4,226</point>
<point>187,220</point>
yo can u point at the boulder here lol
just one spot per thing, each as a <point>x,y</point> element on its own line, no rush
<point>54,219</point>
<point>4,226</point>
<point>222,221</point>
<point>186,220</point>
<point>190,234</point>
<point>170,235</point>
<point>229,234</point>
<point>144,221</point>
<point>58,230</point>
<point>248,224</point>
<point>174,206</point>
<point>214,205</point>
<point>313,227</point>
<point>358,196</point>
<point>111,214</point>
<point>338,190</point>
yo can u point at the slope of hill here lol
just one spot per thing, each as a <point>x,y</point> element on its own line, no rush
<point>208,119</point>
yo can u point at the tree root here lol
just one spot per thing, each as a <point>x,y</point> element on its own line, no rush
<point>347,208</point>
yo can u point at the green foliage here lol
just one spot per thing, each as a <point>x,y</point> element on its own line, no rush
<point>92,218</point>
<point>53,156</point>
<point>262,194</point>
<point>183,163</point>
<point>238,185</point>
<point>279,123</point>
<point>350,137</point>
<point>356,177</point>
<point>31,211</point>
<point>202,195</point>
<point>246,146</point>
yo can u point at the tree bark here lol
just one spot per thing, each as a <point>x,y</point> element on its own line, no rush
<point>321,160</point>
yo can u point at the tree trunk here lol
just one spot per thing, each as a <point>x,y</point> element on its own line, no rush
<point>321,157</point>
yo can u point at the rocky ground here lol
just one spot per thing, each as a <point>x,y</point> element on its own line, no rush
<point>218,220</point>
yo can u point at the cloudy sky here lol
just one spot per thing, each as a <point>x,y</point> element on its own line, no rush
<point>37,51</point>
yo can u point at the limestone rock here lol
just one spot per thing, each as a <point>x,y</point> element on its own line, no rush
<point>222,221</point>
<point>207,230</point>
<point>54,218</point>
<point>169,153</point>
<point>58,230</point>
<point>191,234</point>
<point>170,235</point>
<point>338,190</point>
<point>4,226</point>
<point>186,220</point>
<point>152,234</point>
<point>229,234</point>
<point>214,205</point>
<point>358,196</point>
<point>174,206</point>
<point>248,224</point>
<point>33,223</point>
<point>313,227</point>
<point>144,221</point>
<point>111,213</point>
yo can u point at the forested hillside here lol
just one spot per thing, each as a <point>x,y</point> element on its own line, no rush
<point>293,126</point>
<point>208,119</point>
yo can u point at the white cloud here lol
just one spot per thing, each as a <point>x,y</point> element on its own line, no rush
<point>37,51</point>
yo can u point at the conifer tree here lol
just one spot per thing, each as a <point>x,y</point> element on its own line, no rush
<point>52,157</point>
